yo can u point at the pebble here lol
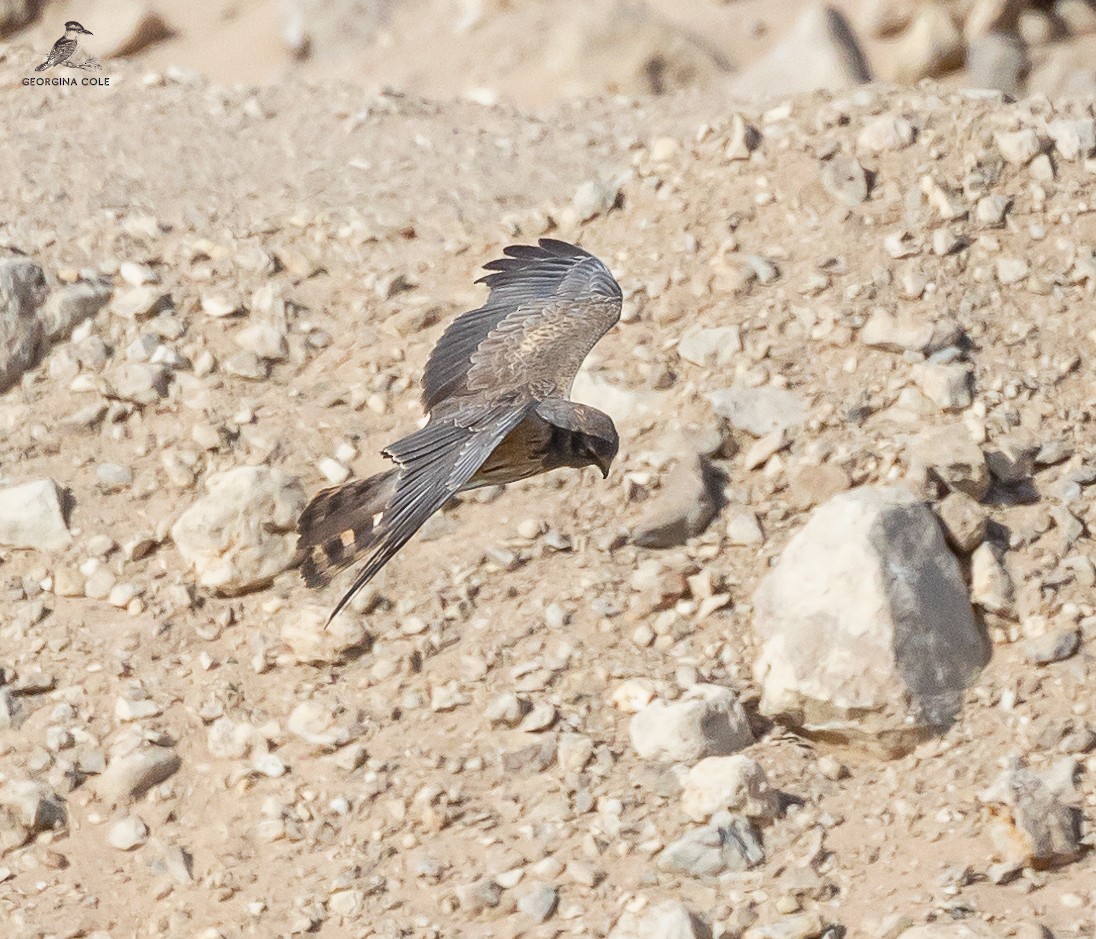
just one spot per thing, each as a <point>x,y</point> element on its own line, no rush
<point>964,521</point>
<point>128,776</point>
<point>1052,647</point>
<point>729,783</point>
<point>845,179</point>
<point>127,833</point>
<point>886,132</point>
<point>670,919</point>
<point>539,902</point>
<point>730,843</point>
<point>1018,147</point>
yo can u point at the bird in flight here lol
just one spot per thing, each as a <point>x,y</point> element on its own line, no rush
<point>496,391</point>
<point>65,46</point>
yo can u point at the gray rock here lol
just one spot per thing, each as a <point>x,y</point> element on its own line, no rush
<point>865,627</point>
<point>759,411</point>
<point>805,925</point>
<point>997,60</point>
<point>819,52</point>
<point>685,506</point>
<point>112,477</point>
<point>844,178</point>
<point>138,382</point>
<point>706,721</point>
<point>886,132</point>
<point>948,456</point>
<point>1032,821</point>
<point>129,775</point>
<point>1011,460</point>
<point>946,385</point>
<point>22,291</point>
<point>32,516</point>
<point>730,843</point>
<point>240,534</point>
<point>1052,647</point>
<point>668,920</point>
<point>539,902</point>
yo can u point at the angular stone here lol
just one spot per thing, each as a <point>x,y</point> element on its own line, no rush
<point>946,385</point>
<point>706,721</point>
<point>1032,820</point>
<point>729,783</point>
<point>844,178</point>
<point>990,584</point>
<point>22,291</point>
<point>964,521</point>
<point>716,346</point>
<point>886,132</point>
<point>670,919</point>
<point>685,506</point>
<point>131,774</point>
<point>1018,147</point>
<point>730,843</point>
<point>28,807</point>
<point>866,631</point>
<point>69,306</point>
<point>759,411</point>
<point>948,455</point>
<point>1073,138</point>
<point>240,534</point>
<point>312,639</point>
<point>805,925</point>
<point>1052,647</point>
<point>32,516</point>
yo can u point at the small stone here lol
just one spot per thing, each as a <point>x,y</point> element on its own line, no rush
<point>478,896</point>
<point>594,198</point>
<point>670,919</point>
<point>990,210</point>
<point>140,302</point>
<point>948,455</point>
<point>32,516</point>
<point>507,708</point>
<point>729,783</point>
<point>991,587</point>
<point>886,132</point>
<point>1018,147</point>
<point>139,382</point>
<point>265,340</point>
<point>664,149</point>
<point>1011,271</point>
<point>1031,821</point>
<point>742,139</point>
<point>707,720</point>
<point>964,521</point>
<point>247,365</point>
<point>743,528</point>
<point>99,584</point>
<point>137,275</point>
<point>113,477</point>
<point>1073,138</point>
<point>314,640</point>
<point>315,723</point>
<point>27,808</point>
<point>539,902</point>
<point>832,768</point>
<point>574,752</point>
<point>809,486</point>
<point>1011,460</point>
<point>709,347</point>
<point>759,411</point>
<point>947,386</point>
<point>127,833</point>
<point>130,775</point>
<point>685,506</point>
<point>218,307</point>
<point>730,843</point>
<point>242,532</point>
<point>542,716</point>
<point>1052,647</point>
<point>806,925</point>
<point>844,178</point>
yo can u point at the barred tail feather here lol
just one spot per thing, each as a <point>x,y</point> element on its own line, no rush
<point>341,525</point>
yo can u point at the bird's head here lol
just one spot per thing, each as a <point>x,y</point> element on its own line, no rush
<point>588,436</point>
<point>73,27</point>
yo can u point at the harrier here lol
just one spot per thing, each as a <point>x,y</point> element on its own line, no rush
<point>496,390</point>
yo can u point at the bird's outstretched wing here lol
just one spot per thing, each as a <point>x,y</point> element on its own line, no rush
<point>547,308</point>
<point>433,464</point>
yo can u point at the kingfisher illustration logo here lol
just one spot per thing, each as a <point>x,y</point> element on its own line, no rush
<point>66,52</point>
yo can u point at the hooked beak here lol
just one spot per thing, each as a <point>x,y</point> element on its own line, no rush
<point>604,467</point>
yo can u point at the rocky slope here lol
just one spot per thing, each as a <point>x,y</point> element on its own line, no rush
<point>557,712</point>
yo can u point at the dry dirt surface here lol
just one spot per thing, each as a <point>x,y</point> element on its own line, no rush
<point>237,278</point>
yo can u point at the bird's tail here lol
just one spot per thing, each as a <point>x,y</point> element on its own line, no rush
<point>341,525</point>
<point>42,67</point>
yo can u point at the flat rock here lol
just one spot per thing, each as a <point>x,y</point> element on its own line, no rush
<point>22,291</point>
<point>964,521</point>
<point>32,516</point>
<point>865,627</point>
<point>819,52</point>
<point>685,506</point>
<point>1052,647</point>
<point>670,919</point>
<point>240,534</point>
<point>845,179</point>
<point>717,346</point>
<point>707,720</point>
<point>759,411</point>
<point>68,306</point>
<point>886,132</point>
<point>730,843</point>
